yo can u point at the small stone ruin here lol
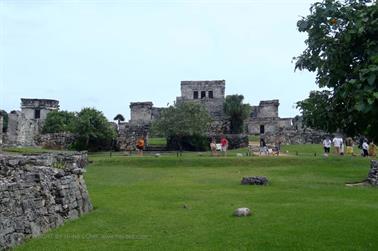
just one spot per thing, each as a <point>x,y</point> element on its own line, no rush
<point>254,180</point>
<point>40,192</point>
<point>373,173</point>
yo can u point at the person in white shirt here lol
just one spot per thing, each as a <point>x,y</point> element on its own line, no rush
<point>327,146</point>
<point>365,148</point>
<point>337,142</point>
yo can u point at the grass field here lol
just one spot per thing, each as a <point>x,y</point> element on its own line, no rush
<point>170,203</point>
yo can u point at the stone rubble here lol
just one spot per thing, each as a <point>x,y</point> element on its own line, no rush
<point>254,180</point>
<point>40,192</point>
<point>243,211</point>
<point>373,173</point>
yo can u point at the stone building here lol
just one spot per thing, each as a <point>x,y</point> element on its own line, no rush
<point>264,118</point>
<point>25,125</point>
<point>210,93</point>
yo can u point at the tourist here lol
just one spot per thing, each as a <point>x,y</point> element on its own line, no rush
<point>349,145</point>
<point>263,148</point>
<point>337,143</point>
<point>140,146</point>
<point>213,147</point>
<point>327,146</point>
<point>372,149</point>
<point>224,145</point>
<point>365,148</point>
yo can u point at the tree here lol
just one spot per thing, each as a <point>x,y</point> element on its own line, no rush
<point>119,118</point>
<point>342,48</point>
<point>93,130</point>
<point>236,112</point>
<point>59,121</point>
<point>184,120</point>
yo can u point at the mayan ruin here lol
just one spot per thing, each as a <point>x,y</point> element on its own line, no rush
<point>188,125</point>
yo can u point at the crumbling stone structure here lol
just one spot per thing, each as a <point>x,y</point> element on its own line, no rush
<point>208,93</point>
<point>373,173</point>
<point>25,125</point>
<point>40,192</point>
<point>1,129</point>
<point>264,119</point>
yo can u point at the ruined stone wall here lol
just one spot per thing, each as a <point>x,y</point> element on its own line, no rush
<point>268,109</point>
<point>39,192</point>
<point>140,113</point>
<point>293,136</point>
<point>59,141</point>
<point>373,173</point>
<point>128,134</point>
<point>21,131</point>
<point>1,129</point>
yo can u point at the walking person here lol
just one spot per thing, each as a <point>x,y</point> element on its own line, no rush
<point>224,145</point>
<point>213,147</point>
<point>327,146</point>
<point>365,148</point>
<point>140,146</point>
<point>263,148</point>
<point>337,142</point>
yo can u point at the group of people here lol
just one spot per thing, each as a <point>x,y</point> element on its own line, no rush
<point>341,147</point>
<point>222,146</point>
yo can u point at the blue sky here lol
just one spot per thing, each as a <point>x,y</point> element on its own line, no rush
<point>106,54</point>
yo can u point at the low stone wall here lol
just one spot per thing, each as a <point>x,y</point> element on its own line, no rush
<point>58,141</point>
<point>39,192</point>
<point>373,173</point>
<point>293,136</point>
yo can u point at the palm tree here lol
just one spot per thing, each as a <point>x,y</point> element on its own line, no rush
<point>119,118</point>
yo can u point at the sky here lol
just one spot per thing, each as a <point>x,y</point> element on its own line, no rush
<point>106,54</point>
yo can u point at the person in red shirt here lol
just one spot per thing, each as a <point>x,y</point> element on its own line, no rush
<point>224,145</point>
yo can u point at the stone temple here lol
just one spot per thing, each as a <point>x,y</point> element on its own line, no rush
<point>263,119</point>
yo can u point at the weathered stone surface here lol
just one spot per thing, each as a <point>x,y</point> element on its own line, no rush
<point>58,141</point>
<point>39,192</point>
<point>243,211</point>
<point>373,173</point>
<point>254,180</point>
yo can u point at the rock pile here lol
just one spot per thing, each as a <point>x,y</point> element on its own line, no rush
<point>39,192</point>
<point>254,180</point>
<point>373,173</point>
<point>243,211</point>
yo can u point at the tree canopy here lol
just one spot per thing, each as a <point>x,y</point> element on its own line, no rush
<point>185,119</point>
<point>59,121</point>
<point>92,130</point>
<point>342,48</point>
<point>119,118</point>
<point>236,112</point>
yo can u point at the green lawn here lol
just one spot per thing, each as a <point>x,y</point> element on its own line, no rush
<point>157,141</point>
<point>170,203</point>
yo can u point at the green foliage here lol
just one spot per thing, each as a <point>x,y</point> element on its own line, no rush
<point>316,111</point>
<point>93,130</point>
<point>5,120</point>
<point>59,121</point>
<point>236,112</point>
<point>342,48</point>
<point>119,118</point>
<point>181,121</point>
